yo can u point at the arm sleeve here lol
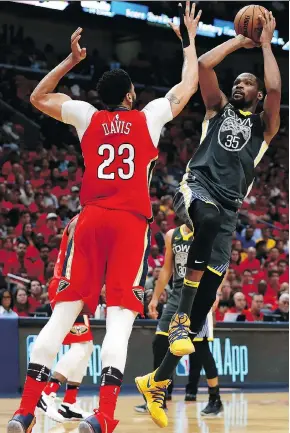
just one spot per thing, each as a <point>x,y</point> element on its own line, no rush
<point>158,113</point>
<point>77,114</point>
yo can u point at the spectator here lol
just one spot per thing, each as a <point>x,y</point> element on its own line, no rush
<point>226,291</point>
<point>155,258</point>
<point>273,280</point>
<point>35,295</point>
<point>238,246</point>
<point>273,255</point>
<point>261,251</point>
<point>247,240</point>
<point>6,304</point>
<point>62,189</point>
<point>19,263</point>
<point>50,228</point>
<point>254,314</point>
<point>74,204</point>
<point>283,271</point>
<point>220,312</point>
<point>44,254</point>
<point>267,237</point>
<point>48,273</point>
<point>49,199</point>
<point>238,309</point>
<point>25,218</point>
<point>160,236</point>
<point>235,260</point>
<point>28,236</point>
<point>27,194</point>
<point>21,304</point>
<point>150,282</point>
<point>284,288</point>
<point>283,308</point>
<point>251,262</point>
<point>38,204</point>
<point>166,205</point>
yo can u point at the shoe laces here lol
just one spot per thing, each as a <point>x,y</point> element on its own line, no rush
<point>177,332</point>
<point>158,395</point>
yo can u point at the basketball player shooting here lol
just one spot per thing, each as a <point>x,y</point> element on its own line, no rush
<point>119,146</point>
<point>218,178</point>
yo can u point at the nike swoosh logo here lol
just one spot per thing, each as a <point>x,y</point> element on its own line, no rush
<point>42,404</point>
<point>198,261</point>
<point>148,383</point>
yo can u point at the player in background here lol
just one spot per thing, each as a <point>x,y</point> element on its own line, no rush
<point>217,179</point>
<point>119,146</point>
<point>177,244</point>
<point>72,366</point>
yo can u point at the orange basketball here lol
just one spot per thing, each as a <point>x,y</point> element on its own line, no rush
<point>247,22</point>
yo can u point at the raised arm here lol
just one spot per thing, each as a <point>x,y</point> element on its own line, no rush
<point>214,99</point>
<point>272,78</point>
<point>43,97</point>
<point>180,94</point>
<point>164,276</point>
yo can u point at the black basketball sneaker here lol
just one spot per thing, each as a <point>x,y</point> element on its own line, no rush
<point>72,412</point>
<point>213,408</point>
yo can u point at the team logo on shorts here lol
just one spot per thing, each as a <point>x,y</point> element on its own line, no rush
<point>62,285</point>
<point>234,132</point>
<point>79,330</point>
<point>139,293</point>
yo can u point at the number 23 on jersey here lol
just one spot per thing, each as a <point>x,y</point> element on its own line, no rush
<point>124,154</point>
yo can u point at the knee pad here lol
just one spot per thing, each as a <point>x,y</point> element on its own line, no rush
<point>205,217</point>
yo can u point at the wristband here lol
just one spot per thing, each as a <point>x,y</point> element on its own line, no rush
<point>182,28</point>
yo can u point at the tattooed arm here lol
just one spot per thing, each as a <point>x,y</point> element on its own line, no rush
<point>180,94</point>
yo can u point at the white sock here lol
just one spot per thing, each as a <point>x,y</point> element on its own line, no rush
<point>119,325</point>
<point>50,339</point>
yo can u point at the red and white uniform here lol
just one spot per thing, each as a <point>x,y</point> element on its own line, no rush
<point>81,331</point>
<point>119,149</point>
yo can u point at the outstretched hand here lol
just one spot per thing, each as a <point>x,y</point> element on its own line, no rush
<point>269,24</point>
<point>78,53</point>
<point>190,22</point>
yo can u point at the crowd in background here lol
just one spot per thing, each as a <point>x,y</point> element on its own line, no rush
<point>40,184</point>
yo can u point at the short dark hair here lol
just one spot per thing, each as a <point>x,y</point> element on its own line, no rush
<point>260,85</point>
<point>113,86</point>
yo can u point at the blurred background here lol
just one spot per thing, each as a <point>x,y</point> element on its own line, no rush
<point>41,163</point>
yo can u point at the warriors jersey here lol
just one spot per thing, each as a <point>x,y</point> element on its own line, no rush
<point>232,144</point>
<point>180,247</point>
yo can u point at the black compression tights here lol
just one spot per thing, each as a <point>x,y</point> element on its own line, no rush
<point>206,221</point>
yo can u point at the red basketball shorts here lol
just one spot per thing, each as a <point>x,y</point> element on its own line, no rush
<point>81,330</point>
<point>111,247</point>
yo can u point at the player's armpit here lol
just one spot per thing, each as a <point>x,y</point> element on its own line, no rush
<point>50,103</point>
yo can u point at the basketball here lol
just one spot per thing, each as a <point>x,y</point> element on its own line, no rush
<point>247,22</point>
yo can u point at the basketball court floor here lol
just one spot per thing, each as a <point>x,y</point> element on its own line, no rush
<point>243,413</point>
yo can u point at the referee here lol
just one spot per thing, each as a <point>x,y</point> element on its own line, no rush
<point>177,242</point>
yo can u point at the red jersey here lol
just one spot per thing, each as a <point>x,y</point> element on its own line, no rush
<point>119,150</point>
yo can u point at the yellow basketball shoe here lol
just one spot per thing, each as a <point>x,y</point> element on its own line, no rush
<point>179,341</point>
<point>154,395</point>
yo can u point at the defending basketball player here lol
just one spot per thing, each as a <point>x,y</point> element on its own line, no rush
<point>119,146</point>
<point>72,366</point>
<point>177,243</point>
<point>217,180</point>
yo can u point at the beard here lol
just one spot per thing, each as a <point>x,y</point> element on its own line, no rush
<point>134,103</point>
<point>240,103</point>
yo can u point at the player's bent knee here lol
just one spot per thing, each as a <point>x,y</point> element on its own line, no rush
<point>43,353</point>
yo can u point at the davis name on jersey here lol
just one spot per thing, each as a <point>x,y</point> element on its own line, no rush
<point>117,126</point>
